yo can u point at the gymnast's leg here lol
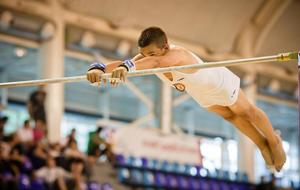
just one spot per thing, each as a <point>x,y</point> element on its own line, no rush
<point>246,128</point>
<point>249,112</point>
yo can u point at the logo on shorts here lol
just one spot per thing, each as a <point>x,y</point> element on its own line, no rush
<point>233,93</point>
<point>179,86</point>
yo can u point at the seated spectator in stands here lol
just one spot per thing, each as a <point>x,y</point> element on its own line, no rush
<point>39,131</point>
<point>8,183</point>
<point>26,133</point>
<point>16,155</point>
<point>70,137</point>
<point>38,155</point>
<point>4,157</point>
<point>36,106</point>
<point>53,175</point>
<point>55,151</point>
<point>97,146</point>
<point>3,120</point>
<point>94,143</point>
<point>75,158</point>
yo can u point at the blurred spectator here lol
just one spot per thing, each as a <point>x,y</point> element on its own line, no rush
<point>26,133</point>
<point>94,143</point>
<point>264,185</point>
<point>55,150</point>
<point>16,155</point>
<point>3,120</point>
<point>39,131</point>
<point>71,137</point>
<point>38,155</point>
<point>36,106</point>
<point>27,152</point>
<point>75,158</point>
<point>97,146</point>
<point>53,175</point>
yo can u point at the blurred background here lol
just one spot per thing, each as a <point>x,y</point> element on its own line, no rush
<point>56,38</point>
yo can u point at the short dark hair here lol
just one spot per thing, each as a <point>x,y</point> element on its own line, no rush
<point>26,122</point>
<point>152,35</point>
<point>99,129</point>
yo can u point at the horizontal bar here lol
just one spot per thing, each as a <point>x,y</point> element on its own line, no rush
<point>283,57</point>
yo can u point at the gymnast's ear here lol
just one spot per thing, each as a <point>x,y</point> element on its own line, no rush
<point>165,45</point>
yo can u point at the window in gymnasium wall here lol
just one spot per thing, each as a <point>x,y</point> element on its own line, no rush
<point>219,154</point>
<point>16,114</point>
<point>232,149</point>
<point>212,153</point>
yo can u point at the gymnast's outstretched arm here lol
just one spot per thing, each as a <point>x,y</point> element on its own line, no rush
<point>140,62</point>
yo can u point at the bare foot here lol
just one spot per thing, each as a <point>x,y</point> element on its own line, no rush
<point>278,153</point>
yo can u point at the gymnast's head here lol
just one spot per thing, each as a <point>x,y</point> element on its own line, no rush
<point>153,42</point>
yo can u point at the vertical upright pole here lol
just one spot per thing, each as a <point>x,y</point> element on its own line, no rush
<point>52,66</point>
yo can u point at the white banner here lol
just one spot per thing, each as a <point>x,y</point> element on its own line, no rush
<point>149,143</point>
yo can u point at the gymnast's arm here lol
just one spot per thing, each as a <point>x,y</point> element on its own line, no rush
<point>141,62</point>
<point>170,59</point>
<point>94,73</point>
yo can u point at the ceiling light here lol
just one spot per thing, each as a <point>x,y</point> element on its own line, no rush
<point>47,30</point>
<point>275,85</point>
<point>20,52</point>
<point>88,39</point>
<point>124,48</point>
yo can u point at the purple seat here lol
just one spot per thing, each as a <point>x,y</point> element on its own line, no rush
<point>234,186</point>
<point>205,184</point>
<point>27,165</point>
<point>214,185</point>
<point>106,186</point>
<point>171,181</point>
<point>183,182</point>
<point>37,184</point>
<point>160,179</point>
<point>144,162</point>
<point>24,182</point>
<point>92,185</point>
<point>120,160</point>
<point>194,183</point>
<point>224,186</point>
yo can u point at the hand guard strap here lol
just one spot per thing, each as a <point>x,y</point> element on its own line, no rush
<point>98,65</point>
<point>129,65</point>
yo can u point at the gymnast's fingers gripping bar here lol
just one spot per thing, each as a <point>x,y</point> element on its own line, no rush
<point>280,57</point>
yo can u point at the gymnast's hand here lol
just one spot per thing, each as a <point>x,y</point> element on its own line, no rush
<point>94,75</point>
<point>118,75</point>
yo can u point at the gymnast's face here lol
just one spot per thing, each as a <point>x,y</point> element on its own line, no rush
<point>154,50</point>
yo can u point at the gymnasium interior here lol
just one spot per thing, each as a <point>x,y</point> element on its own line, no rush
<point>148,134</point>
